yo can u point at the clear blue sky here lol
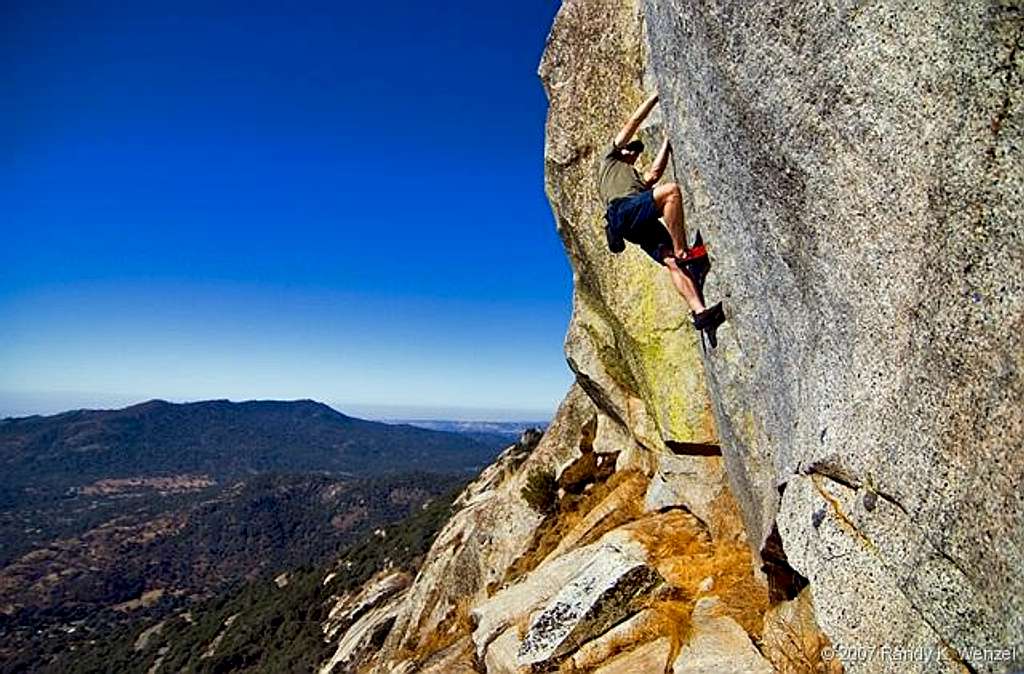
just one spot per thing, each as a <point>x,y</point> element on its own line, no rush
<point>341,201</point>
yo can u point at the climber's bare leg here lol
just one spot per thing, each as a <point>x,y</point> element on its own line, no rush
<point>684,285</point>
<point>669,200</point>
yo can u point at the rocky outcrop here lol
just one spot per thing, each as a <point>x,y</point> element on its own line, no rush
<point>601,583</point>
<point>492,527</point>
<point>359,621</point>
<point>842,474</point>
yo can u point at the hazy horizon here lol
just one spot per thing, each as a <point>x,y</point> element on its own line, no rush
<point>15,405</point>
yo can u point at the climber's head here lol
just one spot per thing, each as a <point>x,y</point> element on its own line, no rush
<point>630,152</point>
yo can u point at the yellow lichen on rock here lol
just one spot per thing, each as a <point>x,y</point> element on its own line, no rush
<point>630,337</point>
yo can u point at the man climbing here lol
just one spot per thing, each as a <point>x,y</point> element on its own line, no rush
<point>634,206</point>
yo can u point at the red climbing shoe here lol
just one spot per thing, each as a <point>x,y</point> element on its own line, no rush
<point>696,253</point>
<point>696,265</point>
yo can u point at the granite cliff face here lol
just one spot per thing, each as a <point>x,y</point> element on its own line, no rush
<point>842,475</point>
<point>856,169</point>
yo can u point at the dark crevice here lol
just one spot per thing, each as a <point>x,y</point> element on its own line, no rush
<point>834,473</point>
<point>693,448</point>
<point>784,583</point>
<point>380,634</point>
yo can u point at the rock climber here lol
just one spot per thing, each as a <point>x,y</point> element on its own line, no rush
<point>634,206</point>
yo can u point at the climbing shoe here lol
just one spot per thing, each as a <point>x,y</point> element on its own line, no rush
<point>695,253</point>
<point>707,322</point>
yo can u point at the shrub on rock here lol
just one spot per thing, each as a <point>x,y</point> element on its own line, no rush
<point>541,490</point>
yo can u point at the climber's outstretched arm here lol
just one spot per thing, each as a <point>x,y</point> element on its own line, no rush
<point>658,167</point>
<point>635,121</point>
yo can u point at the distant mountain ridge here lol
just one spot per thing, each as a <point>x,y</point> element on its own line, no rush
<point>221,438</point>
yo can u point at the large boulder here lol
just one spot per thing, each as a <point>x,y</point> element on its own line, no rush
<point>700,485</point>
<point>597,597</point>
<point>718,644</point>
<point>855,168</point>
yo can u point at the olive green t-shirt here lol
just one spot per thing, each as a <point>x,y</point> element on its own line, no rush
<point>616,178</point>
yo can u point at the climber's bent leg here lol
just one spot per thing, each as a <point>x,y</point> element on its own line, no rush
<point>669,200</point>
<point>684,285</point>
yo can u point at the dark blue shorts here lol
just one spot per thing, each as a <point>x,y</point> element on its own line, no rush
<point>635,219</point>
